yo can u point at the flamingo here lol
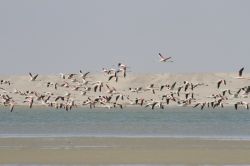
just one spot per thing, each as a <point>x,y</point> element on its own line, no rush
<point>164,59</point>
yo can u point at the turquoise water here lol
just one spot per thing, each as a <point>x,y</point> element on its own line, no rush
<point>179,122</point>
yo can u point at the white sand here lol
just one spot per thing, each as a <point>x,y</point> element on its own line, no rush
<point>201,93</point>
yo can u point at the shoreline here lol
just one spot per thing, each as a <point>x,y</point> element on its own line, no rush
<point>200,138</point>
<point>137,107</point>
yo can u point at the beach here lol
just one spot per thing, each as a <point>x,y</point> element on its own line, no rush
<point>176,134</point>
<point>111,151</point>
<point>133,136</point>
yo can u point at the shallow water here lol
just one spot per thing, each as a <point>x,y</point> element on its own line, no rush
<point>176,122</point>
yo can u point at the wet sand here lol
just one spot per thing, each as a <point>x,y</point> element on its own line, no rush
<point>123,151</point>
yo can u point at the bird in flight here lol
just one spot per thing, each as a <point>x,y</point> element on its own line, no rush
<point>240,74</point>
<point>219,83</point>
<point>33,78</point>
<point>164,59</point>
<point>241,71</point>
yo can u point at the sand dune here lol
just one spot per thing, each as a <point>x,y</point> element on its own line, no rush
<point>201,93</point>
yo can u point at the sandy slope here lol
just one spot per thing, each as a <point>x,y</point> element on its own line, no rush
<point>22,83</point>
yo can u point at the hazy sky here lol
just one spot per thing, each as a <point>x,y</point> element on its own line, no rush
<point>50,36</point>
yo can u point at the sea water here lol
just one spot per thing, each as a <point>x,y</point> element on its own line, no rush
<point>172,122</point>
